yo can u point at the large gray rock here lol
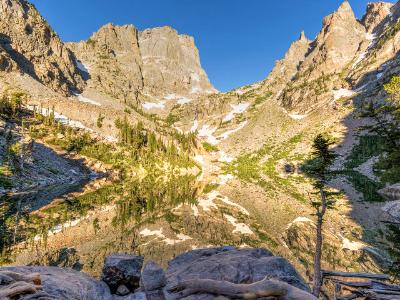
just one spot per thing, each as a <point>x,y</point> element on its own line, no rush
<point>233,265</point>
<point>224,263</point>
<point>67,284</point>
<point>122,269</point>
<point>153,277</point>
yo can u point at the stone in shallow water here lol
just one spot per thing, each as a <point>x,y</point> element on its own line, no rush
<point>122,269</point>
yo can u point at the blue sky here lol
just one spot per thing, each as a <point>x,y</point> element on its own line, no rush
<point>238,40</point>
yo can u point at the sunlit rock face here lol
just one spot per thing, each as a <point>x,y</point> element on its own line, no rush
<point>130,65</point>
<point>171,63</point>
<point>29,45</point>
<point>286,68</point>
<point>376,13</point>
<point>111,58</point>
<point>333,49</point>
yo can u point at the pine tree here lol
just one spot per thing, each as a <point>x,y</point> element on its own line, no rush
<point>386,116</point>
<point>323,158</point>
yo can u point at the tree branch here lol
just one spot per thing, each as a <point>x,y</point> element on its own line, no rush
<point>263,288</point>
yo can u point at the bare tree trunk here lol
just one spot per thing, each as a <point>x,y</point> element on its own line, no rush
<point>318,246</point>
<point>264,288</point>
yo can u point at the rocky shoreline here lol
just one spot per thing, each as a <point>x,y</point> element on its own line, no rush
<point>126,277</point>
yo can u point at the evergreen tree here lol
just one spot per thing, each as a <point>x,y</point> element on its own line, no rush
<point>386,116</point>
<point>323,157</point>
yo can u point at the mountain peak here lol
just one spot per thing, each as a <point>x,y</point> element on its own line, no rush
<point>303,36</point>
<point>344,12</point>
<point>375,14</point>
<point>345,8</point>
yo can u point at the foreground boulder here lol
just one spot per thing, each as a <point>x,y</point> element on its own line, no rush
<point>64,284</point>
<point>240,266</point>
<point>198,274</point>
<point>121,272</point>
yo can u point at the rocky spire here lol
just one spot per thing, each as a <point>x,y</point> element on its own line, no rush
<point>345,8</point>
<point>343,13</point>
<point>303,36</point>
<point>376,13</point>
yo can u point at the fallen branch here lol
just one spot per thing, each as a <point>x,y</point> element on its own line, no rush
<point>355,275</point>
<point>263,288</point>
<point>18,288</point>
<point>33,278</point>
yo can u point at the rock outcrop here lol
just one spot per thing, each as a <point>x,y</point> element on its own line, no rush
<point>237,266</point>
<point>122,271</point>
<point>286,68</point>
<point>376,13</point>
<point>111,61</point>
<point>29,45</point>
<point>171,63</point>
<point>232,265</point>
<point>130,65</point>
<point>335,47</point>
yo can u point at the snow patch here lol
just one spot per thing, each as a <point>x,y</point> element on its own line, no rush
<point>199,159</point>
<point>239,227</point>
<point>353,246</point>
<point>236,109</point>
<point>359,59</point>
<point>82,66</point>
<point>295,116</point>
<point>148,232</point>
<point>224,178</point>
<point>195,126</point>
<point>61,118</point>
<point>207,202</point>
<point>300,220</point>
<point>153,105</point>
<point>87,100</point>
<point>159,234</point>
<point>180,99</point>
<point>60,227</point>
<point>337,94</point>
<point>181,238</point>
<point>207,132</point>
<point>184,100</point>
<point>223,157</point>
<point>226,134</point>
<point>241,208</point>
<point>370,36</point>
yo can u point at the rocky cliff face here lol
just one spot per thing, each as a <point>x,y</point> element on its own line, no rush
<point>376,13</point>
<point>111,61</point>
<point>130,65</point>
<point>28,44</point>
<point>286,68</point>
<point>171,63</point>
<point>335,47</point>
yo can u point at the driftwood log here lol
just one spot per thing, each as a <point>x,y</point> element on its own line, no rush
<point>371,289</point>
<point>326,274</point>
<point>264,288</point>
